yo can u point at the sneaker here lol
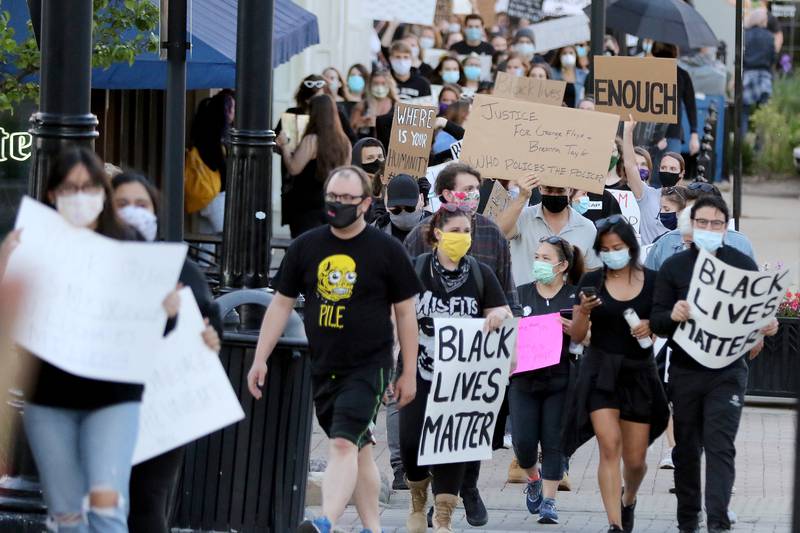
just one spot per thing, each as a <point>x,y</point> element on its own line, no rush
<point>614,529</point>
<point>548,514</point>
<point>318,525</point>
<point>732,518</point>
<point>430,517</point>
<point>666,461</point>
<point>399,482</point>
<point>533,495</point>
<point>627,517</point>
<point>474,508</point>
<point>564,484</point>
<point>508,443</point>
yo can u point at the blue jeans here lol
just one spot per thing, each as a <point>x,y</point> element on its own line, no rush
<point>80,451</point>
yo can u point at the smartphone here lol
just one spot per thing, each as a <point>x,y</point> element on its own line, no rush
<point>589,291</point>
<point>566,313</point>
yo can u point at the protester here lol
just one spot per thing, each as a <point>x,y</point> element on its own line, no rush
<point>594,206</point>
<point>379,102</point>
<point>452,280</point>
<point>449,72</point>
<point>452,39</point>
<point>336,84</point>
<point>499,43</point>
<point>448,96</point>
<point>352,277</point>
<point>707,403</point>
<point>357,77</point>
<point>471,66</point>
<point>759,58</point>
<point>516,65</point>
<point>616,177</point>
<point>474,35</point>
<point>323,147</point>
<point>673,201</point>
<point>540,71</point>
<point>672,170</point>
<point>429,38</point>
<point>565,67</point>
<point>586,104</point>
<point>618,396</point>
<point>583,50</point>
<point>523,44</point>
<point>409,83</point>
<point>404,203</point>
<point>417,64</point>
<point>536,399</point>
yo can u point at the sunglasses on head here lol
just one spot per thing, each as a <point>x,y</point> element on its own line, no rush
<point>314,84</point>
<point>672,191</point>
<point>556,241</point>
<point>701,186</point>
<point>396,210</point>
<point>608,222</point>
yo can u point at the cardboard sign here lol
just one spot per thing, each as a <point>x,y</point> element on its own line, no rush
<point>728,308</point>
<point>469,380</point>
<point>525,9</point>
<point>409,11</point>
<point>497,203</point>
<point>412,137</point>
<point>188,394</point>
<point>511,139</point>
<point>564,31</point>
<point>645,87</point>
<point>443,10</point>
<point>630,208</point>
<point>486,9</point>
<point>294,126</point>
<point>539,342</point>
<point>549,92</point>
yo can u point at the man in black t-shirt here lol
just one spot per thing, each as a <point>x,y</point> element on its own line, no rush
<point>409,83</point>
<point>473,38</point>
<point>352,277</point>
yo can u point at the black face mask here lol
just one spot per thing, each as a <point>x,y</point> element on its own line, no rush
<point>340,215</point>
<point>555,204</point>
<point>668,179</point>
<point>372,168</point>
<point>670,220</point>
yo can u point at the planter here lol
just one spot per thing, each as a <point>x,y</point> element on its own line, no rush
<point>776,371</point>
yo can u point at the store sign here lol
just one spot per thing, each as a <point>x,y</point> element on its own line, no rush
<point>15,145</point>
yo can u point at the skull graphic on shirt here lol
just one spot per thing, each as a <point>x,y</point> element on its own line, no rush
<point>336,277</point>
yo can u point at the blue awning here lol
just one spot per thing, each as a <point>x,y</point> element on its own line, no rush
<point>212,60</point>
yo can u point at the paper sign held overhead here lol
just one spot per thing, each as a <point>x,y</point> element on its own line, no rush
<point>644,87</point>
<point>511,139</point>
<point>408,11</point>
<point>629,208</point>
<point>557,8</point>
<point>497,203</point>
<point>549,92</point>
<point>412,137</point>
<point>565,31</point>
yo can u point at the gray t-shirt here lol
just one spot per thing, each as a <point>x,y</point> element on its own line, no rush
<point>650,225</point>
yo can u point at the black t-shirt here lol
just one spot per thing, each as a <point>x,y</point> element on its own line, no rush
<point>610,331</point>
<point>462,48</point>
<point>464,302</point>
<point>602,206</point>
<point>534,304</point>
<point>349,287</point>
<point>415,86</point>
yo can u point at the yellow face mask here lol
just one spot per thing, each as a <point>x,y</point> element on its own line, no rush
<point>455,245</point>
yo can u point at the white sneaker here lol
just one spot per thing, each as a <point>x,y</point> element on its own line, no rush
<point>666,460</point>
<point>507,442</point>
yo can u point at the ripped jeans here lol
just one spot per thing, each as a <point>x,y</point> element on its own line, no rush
<point>84,461</point>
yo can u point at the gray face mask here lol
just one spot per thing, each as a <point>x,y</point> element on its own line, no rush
<point>406,221</point>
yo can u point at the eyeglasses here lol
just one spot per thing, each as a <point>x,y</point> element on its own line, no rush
<point>702,186</point>
<point>704,223</point>
<point>88,188</point>
<point>606,223</point>
<point>453,207</point>
<point>314,84</point>
<point>396,210</point>
<point>343,198</point>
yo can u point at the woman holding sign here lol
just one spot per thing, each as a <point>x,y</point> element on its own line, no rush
<point>618,395</point>
<point>455,286</point>
<point>536,397</point>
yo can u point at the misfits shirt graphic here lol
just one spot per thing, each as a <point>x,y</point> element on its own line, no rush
<point>430,306</point>
<point>336,278</point>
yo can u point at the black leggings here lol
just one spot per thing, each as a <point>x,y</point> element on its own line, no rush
<point>446,478</point>
<point>152,492</point>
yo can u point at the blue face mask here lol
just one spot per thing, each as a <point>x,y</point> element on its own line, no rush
<point>472,72</point>
<point>473,34</point>
<point>355,83</point>
<point>450,76</point>
<point>710,241</point>
<point>543,272</point>
<point>581,51</point>
<point>669,220</point>
<point>582,205</point>
<point>616,259</point>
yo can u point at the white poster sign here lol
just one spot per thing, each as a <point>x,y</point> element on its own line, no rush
<point>93,305</point>
<point>431,175</point>
<point>629,207</point>
<point>470,376</point>
<point>728,308</point>
<point>558,8</point>
<point>188,394</point>
<point>408,11</point>
<point>564,31</point>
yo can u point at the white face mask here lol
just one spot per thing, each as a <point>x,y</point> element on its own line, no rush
<point>334,85</point>
<point>568,60</point>
<point>80,209</point>
<point>415,52</point>
<point>427,42</point>
<point>141,220</point>
<point>524,49</point>
<point>401,66</point>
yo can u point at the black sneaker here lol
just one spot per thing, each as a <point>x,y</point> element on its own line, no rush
<point>627,517</point>
<point>474,507</point>
<point>430,517</point>
<point>399,482</point>
<point>614,529</point>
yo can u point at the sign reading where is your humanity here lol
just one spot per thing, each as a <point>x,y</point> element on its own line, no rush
<point>728,308</point>
<point>530,89</point>
<point>410,144</point>
<point>643,87</point>
<point>511,139</point>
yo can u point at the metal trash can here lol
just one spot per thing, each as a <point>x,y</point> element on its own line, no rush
<point>252,476</point>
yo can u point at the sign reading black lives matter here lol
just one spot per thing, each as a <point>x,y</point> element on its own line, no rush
<point>644,87</point>
<point>470,376</point>
<point>412,137</point>
<point>728,308</point>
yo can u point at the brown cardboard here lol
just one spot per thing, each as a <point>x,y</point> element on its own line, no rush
<point>644,87</point>
<point>529,89</point>
<point>497,203</point>
<point>565,147</point>
<point>294,126</point>
<point>486,10</point>
<point>412,137</point>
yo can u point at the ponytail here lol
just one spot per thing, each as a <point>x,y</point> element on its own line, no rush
<point>575,272</point>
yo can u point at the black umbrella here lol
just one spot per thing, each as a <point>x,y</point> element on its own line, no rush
<point>668,21</point>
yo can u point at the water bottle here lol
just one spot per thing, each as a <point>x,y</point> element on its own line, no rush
<point>633,320</point>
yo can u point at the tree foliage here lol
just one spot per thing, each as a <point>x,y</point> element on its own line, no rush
<point>121,30</point>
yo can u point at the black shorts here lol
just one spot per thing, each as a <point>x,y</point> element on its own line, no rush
<point>347,404</point>
<point>633,405</point>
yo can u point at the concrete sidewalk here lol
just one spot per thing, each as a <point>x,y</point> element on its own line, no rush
<point>763,498</point>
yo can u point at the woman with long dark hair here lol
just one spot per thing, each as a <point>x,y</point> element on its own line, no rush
<point>618,396</point>
<point>323,147</point>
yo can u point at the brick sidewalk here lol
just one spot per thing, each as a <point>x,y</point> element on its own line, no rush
<point>763,499</point>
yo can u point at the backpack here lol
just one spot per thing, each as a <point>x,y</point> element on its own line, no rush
<point>200,183</point>
<point>421,260</point>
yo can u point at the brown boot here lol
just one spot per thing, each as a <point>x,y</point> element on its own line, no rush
<point>443,512</point>
<point>515,473</point>
<point>564,484</point>
<point>417,521</point>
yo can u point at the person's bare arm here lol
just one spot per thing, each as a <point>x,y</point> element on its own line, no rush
<point>507,220</point>
<point>408,333</point>
<point>629,157</point>
<point>306,151</point>
<point>275,320</point>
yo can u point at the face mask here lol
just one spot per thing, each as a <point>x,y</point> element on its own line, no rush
<point>582,52</point>
<point>582,205</point>
<point>555,204</point>
<point>401,67</point>
<point>543,272</point>
<point>613,162</point>
<point>525,49</point>
<point>380,91</point>
<point>340,215</point>
<point>568,60</point>
<point>669,220</point>
<point>141,220</point>
<point>644,173</point>
<point>472,72</point>
<point>617,259</point>
<point>710,241</point>
<point>355,84</point>
<point>406,221</point>
<point>80,209</point>
<point>519,72</point>
<point>668,179</point>
<point>470,199</point>
<point>450,76</point>
<point>427,42</point>
<point>455,245</point>
<point>454,27</point>
<point>334,85</point>
<point>473,34</point>
<point>415,51</point>
<point>372,168</point>
<point>443,107</point>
